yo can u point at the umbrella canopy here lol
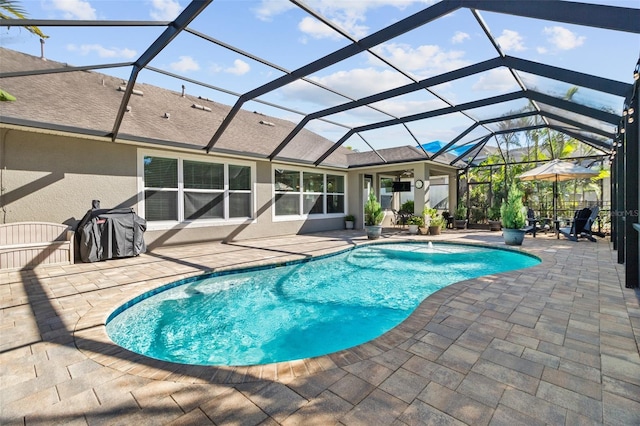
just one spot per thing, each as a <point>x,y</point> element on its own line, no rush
<point>557,171</point>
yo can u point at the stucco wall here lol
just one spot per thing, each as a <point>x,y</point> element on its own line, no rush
<point>54,178</point>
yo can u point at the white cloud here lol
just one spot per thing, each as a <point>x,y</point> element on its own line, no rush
<point>214,68</point>
<point>75,9</point>
<point>239,68</point>
<point>459,37</point>
<point>405,108</point>
<point>355,82</point>
<point>510,41</point>
<point>103,52</point>
<point>497,79</point>
<point>349,23</point>
<point>185,64</point>
<point>270,8</point>
<point>541,50</point>
<point>562,38</point>
<point>317,29</point>
<point>165,10</point>
<point>348,15</point>
<point>425,60</point>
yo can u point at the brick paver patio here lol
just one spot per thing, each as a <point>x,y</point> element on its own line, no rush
<point>553,344</point>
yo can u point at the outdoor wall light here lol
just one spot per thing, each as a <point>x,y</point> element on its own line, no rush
<point>624,112</point>
<point>630,120</point>
<point>631,111</point>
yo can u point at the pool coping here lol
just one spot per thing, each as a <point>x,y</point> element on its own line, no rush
<point>91,338</point>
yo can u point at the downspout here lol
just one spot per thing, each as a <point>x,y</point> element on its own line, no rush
<point>3,166</point>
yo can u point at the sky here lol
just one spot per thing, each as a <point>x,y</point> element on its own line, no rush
<point>285,36</point>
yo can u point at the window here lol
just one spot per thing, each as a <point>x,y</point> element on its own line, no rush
<point>161,188</point>
<point>203,190</point>
<point>335,194</point>
<point>177,189</point>
<point>239,191</point>
<point>308,193</point>
<point>313,197</point>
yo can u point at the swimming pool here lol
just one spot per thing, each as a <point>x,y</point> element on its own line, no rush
<point>298,310</point>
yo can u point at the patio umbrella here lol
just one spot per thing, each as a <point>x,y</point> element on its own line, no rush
<point>557,171</point>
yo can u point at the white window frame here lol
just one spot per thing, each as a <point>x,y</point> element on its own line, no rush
<point>182,222</point>
<point>300,193</point>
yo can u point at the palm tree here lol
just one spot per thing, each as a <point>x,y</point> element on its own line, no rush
<point>13,10</point>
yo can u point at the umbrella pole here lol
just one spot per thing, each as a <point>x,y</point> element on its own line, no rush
<point>555,199</point>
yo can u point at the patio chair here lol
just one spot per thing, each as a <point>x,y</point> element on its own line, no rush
<point>449,219</point>
<point>395,218</point>
<point>399,218</point>
<point>532,223</point>
<point>581,225</point>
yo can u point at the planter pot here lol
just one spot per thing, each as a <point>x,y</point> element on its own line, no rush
<point>459,223</point>
<point>413,229</point>
<point>495,225</point>
<point>483,226</point>
<point>348,224</point>
<point>434,230</point>
<point>513,237</point>
<point>373,231</point>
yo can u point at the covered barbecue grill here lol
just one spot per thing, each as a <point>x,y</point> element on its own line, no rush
<point>110,233</point>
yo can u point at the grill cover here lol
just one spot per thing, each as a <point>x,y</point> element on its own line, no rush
<point>111,233</point>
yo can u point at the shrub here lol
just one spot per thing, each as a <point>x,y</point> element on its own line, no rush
<point>415,220</point>
<point>373,213</point>
<point>494,212</point>
<point>435,219</point>
<point>407,206</point>
<point>512,210</point>
<point>461,212</point>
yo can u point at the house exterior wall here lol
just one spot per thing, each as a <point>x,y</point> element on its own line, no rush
<point>263,226</point>
<point>54,178</point>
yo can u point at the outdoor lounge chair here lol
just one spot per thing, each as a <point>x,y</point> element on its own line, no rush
<point>448,218</point>
<point>399,218</point>
<point>581,225</point>
<point>532,223</point>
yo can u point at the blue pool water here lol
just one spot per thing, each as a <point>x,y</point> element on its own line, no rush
<point>300,310</point>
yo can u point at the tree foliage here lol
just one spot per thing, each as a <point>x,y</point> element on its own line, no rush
<point>13,10</point>
<point>529,148</point>
<point>512,210</point>
<point>373,213</point>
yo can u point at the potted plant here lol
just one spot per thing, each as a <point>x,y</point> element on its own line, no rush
<point>460,216</point>
<point>407,206</point>
<point>436,221</point>
<point>373,215</point>
<point>494,218</point>
<point>415,222</point>
<point>513,217</point>
<point>349,221</point>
